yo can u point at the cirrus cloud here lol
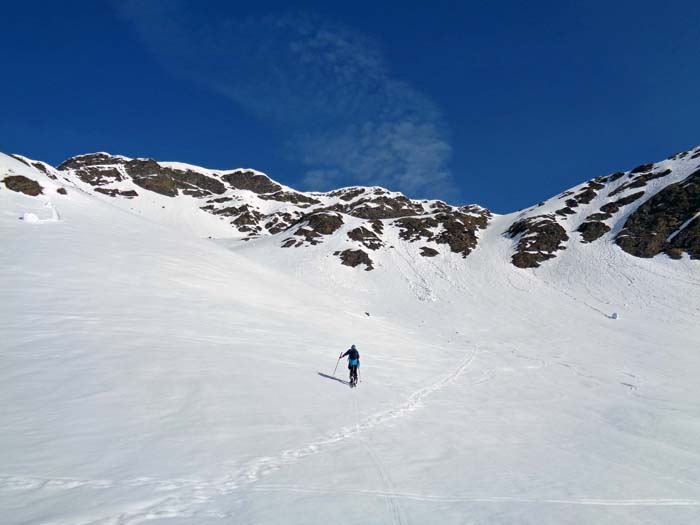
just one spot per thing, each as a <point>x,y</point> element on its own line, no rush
<point>325,87</point>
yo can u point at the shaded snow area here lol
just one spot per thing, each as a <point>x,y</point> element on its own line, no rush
<point>147,376</point>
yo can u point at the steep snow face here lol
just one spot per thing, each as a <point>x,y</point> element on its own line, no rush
<point>151,376</point>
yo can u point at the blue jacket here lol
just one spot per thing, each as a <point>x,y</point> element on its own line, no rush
<point>353,357</point>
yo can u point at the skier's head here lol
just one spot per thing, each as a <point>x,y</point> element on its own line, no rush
<point>353,347</point>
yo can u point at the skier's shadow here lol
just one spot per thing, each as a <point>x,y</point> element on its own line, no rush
<point>333,378</point>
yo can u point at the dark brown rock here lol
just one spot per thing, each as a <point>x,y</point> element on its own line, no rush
<point>38,165</point>
<point>679,155</point>
<point>313,228</point>
<point>640,181</point>
<point>279,222</point>
<point>674,253</point>
<point>367,237</point>
<point>656,224</point>
<point>586,196</point>
<point>643,168</point>
<point>220,200</point>
<point>192,178</point>
<point>426,251</point>
<point>249,180</point>
<point>129,194</point>
<point>354,258</point>
<point>22,184</point>
<point>563,212</point>
<point>614,207</point>
<point>377,226</point>
<point>93,159</point>
<point>288,196</point>
<point>459,231</point>
<point>383,207</point>
<point>592,230</point>
<point>160,183</point>
<point>324,223</point>
<point>62,191</point>
<point>414,228</point>
<point>347,194</point>
<point>99,175</point>
<point>687,240</point>
<point>540,237</point>
<point>598,217</point>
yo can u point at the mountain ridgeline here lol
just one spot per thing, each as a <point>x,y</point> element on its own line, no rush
<point>651,210</point>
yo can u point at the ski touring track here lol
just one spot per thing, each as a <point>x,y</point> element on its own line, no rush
<point>183,498</point>
<point>396,510</point>
<point>600,502</point>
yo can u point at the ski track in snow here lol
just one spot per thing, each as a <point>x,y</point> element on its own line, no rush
<point>183,498</point>
<point>197,492</point>
<point>396,509</point>
<point>264,466</point>
<point>603,502</point>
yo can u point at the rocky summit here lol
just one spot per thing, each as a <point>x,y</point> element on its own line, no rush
<point>649,210</point>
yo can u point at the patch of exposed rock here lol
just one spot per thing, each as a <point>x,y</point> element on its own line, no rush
<point>92,159</point>
<point>613,207</point>
<point>592,230</point>
<point>249,180</point>
<point>354,258</point>
<point>456,229</point>
<point>313,228</point>
<point>22,184</point>
<point>639,177</point>
<point>293,197</point>
<point>584,196</point>
<point>667,222</point>
<point>101,169</point>
<point>366,237</point>
<point>158,183</point>
<point>128,194</point>
<point>540,237</point>
<point>280,221</point>
<point>426,251</point>
<point>35,164</point>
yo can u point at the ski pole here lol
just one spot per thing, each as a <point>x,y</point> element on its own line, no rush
<point>336,366</point>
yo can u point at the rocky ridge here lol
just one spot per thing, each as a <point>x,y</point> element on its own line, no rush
<point>650,210</point>
<point>251,205</point>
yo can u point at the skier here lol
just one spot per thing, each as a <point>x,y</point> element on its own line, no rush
<point>353,364</point>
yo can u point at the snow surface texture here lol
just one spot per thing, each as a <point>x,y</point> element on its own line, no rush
<point>148,376</point>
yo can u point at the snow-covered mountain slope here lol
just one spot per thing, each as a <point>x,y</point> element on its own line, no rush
<point>151,375</point>
<point>651,209</point>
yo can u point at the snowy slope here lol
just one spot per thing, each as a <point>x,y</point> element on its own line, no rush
<point>151,376</point>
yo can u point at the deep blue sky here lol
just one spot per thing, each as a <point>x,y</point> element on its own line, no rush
<point>499,103</point>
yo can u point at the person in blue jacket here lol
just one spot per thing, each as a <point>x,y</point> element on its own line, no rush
<point>353,363</point>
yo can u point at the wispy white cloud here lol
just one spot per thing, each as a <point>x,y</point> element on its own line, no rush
<point>326,87</point>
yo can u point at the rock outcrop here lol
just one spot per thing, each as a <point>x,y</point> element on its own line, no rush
<point>652,209</point>
<point>22,184</point>
<point>667,222</point>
